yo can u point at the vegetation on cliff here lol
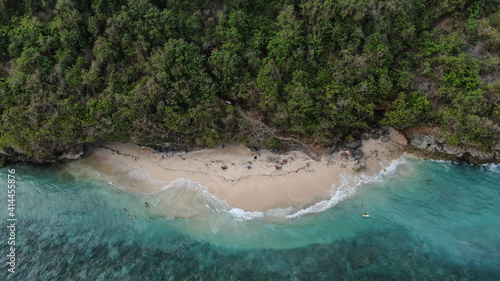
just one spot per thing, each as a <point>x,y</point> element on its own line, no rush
<point>149,71</point>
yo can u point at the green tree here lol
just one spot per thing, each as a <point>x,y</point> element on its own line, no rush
<point>407,110</point>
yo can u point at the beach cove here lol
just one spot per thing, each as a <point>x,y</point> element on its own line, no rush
<point>429,219</point>
<point>239,177</point>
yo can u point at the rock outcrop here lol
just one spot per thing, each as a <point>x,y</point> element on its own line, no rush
<point>357,154</point>
<point>429,144</point>
<point>61,154</point>
<point>355,144</point>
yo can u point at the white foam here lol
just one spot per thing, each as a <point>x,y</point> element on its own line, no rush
<point>441,161</point>
<point>491,167</point>
<point>348,187</point>
<point>184,196</point>
<point>244,215</point>
<point>186,186</point>
<point>280,212</point>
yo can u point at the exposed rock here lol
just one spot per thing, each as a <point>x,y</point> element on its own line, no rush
<point>469,158</point>
<point>357,154</point>
<point>497,147</point>
<point>426,143</point>
<point>344,155</point>
<point>477,51</point>
<point>459,152</point>
<point>366,136</point>
<point>355,144</point>
<point>386,133</point>
<point>70,152</point>
<point>497,152</point>
<point>335,149</point>
<point>397,138</point>
<point>13,156</point>
<point>474,156</point>
<point>429,144</point>
<point>376,136</point>
<point>386,138</point>
<point>70,156</point>
<point>3,160</point>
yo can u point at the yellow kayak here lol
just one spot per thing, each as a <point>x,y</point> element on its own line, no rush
<point>366,216</point>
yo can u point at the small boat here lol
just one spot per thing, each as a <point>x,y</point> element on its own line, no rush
<point>366,215</point>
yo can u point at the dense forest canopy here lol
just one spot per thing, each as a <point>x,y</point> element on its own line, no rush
<point>155,71</point>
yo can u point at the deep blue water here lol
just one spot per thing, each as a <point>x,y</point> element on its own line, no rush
<point>429,221</point>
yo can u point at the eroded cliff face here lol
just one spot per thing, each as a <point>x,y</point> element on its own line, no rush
<point>70,152</point>
<point>429,143</point>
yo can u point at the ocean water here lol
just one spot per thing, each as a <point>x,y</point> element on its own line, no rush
<point>429,221</point>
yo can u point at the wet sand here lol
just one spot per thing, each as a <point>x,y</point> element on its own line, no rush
<point>247,183</point>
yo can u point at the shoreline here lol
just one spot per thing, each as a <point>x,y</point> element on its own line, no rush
<point>245,179</point>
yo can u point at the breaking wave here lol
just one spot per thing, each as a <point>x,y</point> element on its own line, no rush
<point>349,186</point>
<point>183,198</point>
<point>491,167</point>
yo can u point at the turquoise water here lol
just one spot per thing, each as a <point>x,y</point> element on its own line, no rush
<point>429,221</point>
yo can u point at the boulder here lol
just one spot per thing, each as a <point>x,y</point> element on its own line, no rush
<point>355,144</point>
<point>357,154</point>
<point>3,160</point>
<point>366,136</point>
<point>386,138</point>
<point>376,136</point>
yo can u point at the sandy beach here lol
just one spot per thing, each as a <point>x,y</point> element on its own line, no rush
<point>245,179</point>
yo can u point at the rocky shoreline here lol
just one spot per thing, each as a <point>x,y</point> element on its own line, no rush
<point>424,143</point>
<point>428,144</point>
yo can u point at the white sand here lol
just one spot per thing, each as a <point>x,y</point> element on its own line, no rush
<point>263,187</point>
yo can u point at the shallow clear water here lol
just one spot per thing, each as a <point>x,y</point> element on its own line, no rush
<point>429,220</point>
